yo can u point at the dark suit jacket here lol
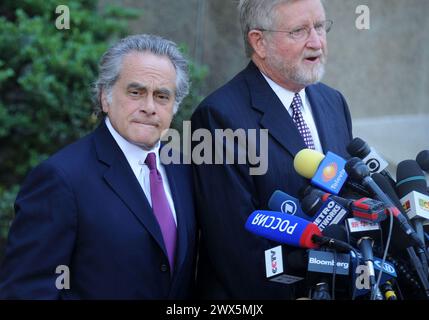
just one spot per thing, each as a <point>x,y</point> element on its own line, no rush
<point>85,209</point>
<point>231,263</point>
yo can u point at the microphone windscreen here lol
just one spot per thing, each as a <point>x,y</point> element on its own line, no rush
<point>307,161</point>
<point>358,148</point>
<point>311,203</point>
<point>423,160</point>
<point>409,177</point>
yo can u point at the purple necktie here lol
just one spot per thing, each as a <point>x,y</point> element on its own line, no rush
<point>161,209</point>
<point>300,123</point>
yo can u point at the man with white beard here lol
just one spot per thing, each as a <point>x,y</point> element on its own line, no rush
<point>279,91</point>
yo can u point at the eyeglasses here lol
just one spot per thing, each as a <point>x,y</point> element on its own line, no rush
<point>303,33</point>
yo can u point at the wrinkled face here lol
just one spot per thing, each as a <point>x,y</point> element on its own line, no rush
<point>297,62</point>
<point>141,103</point>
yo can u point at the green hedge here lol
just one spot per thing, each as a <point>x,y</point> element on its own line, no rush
<point>45,83</point>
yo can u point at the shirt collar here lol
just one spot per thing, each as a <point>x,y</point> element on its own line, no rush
<point>285,96</point>
<point>135,154</point>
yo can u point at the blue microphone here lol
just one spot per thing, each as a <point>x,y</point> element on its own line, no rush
<point>326,172</point>
<point>283,228</point>
<point>290,230</point>
<point>283,202</point>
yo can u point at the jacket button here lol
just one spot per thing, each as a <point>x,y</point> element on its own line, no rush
<point>164,268</point>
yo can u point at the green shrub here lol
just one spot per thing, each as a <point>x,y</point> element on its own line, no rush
<point>46,76</point>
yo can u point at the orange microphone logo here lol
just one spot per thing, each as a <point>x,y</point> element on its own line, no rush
<point>329,172</point>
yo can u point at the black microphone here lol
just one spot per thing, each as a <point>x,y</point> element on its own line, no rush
<point>359,148</point>
<point>364,208</point>
<point>410,178</point>
<point>423,160</point>
<point>400,240</point>
<point>388,189</point>
<point>358,171</point>
<point>411,188</point>
<point>365,245</point>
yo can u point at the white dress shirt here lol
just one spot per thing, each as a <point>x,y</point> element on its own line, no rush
<point>136,157</point>
<point>286,98</point>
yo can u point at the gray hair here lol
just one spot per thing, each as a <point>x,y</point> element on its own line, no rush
<point>256,14</point>
<point>111,62</point>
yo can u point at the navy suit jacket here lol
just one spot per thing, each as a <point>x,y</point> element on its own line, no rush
<point>85,209</point>
<point>231,262</point>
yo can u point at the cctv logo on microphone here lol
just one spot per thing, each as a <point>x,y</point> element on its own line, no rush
<point>273,261</point>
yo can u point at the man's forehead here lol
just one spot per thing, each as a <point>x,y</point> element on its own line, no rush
<point>299,12</point>
<point>144,85</point>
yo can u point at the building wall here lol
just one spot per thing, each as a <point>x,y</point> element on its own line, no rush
<point>383,72</point>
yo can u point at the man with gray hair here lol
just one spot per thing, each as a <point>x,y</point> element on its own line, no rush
<point>103,218</point>
<point>278,91</point>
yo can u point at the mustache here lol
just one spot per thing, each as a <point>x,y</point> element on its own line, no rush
<point>316,54</point>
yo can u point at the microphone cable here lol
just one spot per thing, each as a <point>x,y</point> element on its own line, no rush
<point>386,249</point>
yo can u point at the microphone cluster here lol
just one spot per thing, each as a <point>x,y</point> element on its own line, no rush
<point>361,234</point>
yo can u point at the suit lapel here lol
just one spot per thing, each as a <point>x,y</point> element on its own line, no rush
<point>123,182</point>
<point>275,117</point>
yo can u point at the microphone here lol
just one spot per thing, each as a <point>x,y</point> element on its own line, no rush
<point>366,233</point>
<point>360,229</point>
<point>283,202</point>
<point>365,246</point>
<point>375,163</point>
<point>324,212</point>
<point>412,191</point>
<point>364,208</point>
<point>388,189</point>
<point>290,230</point>
<point>410,177</point>
<point>400,240</point>
<point>358,171</point>
<point>325,172</point>
<point>423,160</point>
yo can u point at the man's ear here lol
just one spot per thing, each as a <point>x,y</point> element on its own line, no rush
<point>104,101</point>
<point>258,42</point>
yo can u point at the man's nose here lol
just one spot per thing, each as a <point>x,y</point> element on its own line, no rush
<point>147,105</point>
<point>315,41</point>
